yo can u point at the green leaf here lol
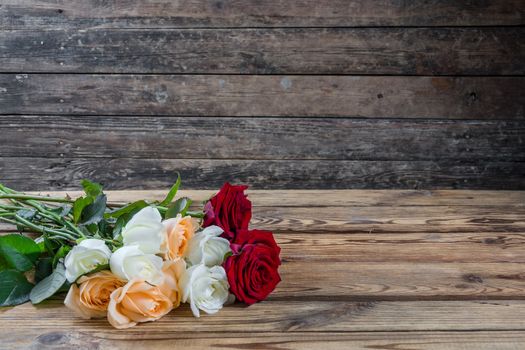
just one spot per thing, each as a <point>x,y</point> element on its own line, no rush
<point>49,246</point>
<point>105,229</point>
<point>92,229</point>
<point>180,206</point>
<point>94,212</point>
<point>78,207</point>
<point>4,265</point>
<point>195,214</point>
<point>132,207</point>
<point>227,255</point>
<point>27,214</point>
<point>171,194</point>
<point>44,267</point>
<point>62,210</point>
<point>14,288</point>
<point>49,285</point>
<point>15,260</point>
<point>62,252</point>
<point>125,216</point>
<point>19,252</point>
<point>92,189</point>
<point>119,225</point>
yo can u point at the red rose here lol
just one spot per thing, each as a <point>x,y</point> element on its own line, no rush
<point>252,269</point>
<point>229,209</point>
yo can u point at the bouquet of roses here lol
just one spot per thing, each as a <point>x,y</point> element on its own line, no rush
<point>135,262</point>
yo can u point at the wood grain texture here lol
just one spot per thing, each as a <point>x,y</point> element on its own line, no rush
<point>333,198</point>
<point>37,14</point>
<point>477,340</point>
<point>389,219</point>
<point>401,51</point>
<point>449,247</point>
<point>288,317</point>
<point>377,247</point>
<point>210,95</point>
<point>261,138</point>
<point>452,274</point>
<point>124,173</point>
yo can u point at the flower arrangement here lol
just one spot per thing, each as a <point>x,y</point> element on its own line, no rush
<point>135,262</point>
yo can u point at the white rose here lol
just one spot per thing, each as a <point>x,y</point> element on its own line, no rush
<point>207,248</point>
<point>85,257</point>
<point>145,230</point>
<point>129,261</point>
<point>205,288</point>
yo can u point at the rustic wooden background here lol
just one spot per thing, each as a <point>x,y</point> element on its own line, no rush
<point>275,93</point>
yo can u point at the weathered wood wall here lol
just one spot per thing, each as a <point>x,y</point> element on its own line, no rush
<point>279,94</point>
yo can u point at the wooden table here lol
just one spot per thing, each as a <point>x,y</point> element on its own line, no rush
<point>361,269</point>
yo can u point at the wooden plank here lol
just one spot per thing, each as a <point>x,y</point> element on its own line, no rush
<point>379,51</point>
<point>123,173</point>
<point>477,340</point>
<point>390,219</point>
<point>385,219</point>
<point>401,267</point>
<point>209,95</point>
<point>332,198</point>
<point>290,317</point>
<point>399,281</point>
<point>261,138</point>
<point>449,247</point>
<point>36,14</point>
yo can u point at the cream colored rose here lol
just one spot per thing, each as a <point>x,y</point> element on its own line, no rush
<point>91,299</point>
<point>129,261</point>
<point>145,230</point>
<point>85,257</point>
<point>179,230</point>
<point>137,301</point>
<point>170,286</point>
<point>206,247</point>
<point>205,288</point>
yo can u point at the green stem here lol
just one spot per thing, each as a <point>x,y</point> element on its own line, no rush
<point>46,213</point>
<point>43,229</point>
<point>11,207</point>
<point>9,221</point>
<point>53,216</point>
<point>38,198</point>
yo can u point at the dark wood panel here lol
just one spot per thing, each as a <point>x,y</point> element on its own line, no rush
<point>211,95</point>
<point>396,51</point>
<point>122,173</point>
<point>260,138</point>
<point>24,14</point>
<point>334,198</point>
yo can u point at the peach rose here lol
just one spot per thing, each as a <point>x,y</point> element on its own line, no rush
<point>179,230</point>
<point>137,301</point>
<point>91,299</point>
<point>172,271</point>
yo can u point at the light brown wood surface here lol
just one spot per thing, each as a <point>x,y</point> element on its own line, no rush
<point>361,270</point>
